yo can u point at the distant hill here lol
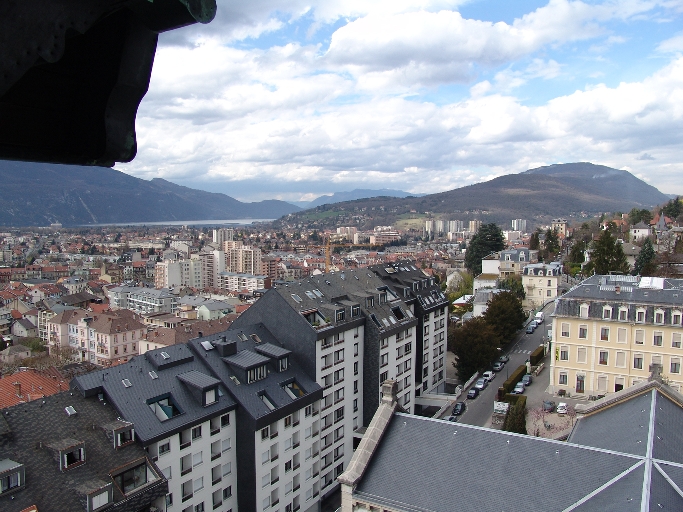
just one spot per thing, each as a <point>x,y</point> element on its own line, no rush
<point>37,194</point>
<point>538,195</point>
<point>352,195</point>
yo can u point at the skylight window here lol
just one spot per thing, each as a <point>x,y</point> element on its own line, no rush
<point>293,390</point>
<point>207,345</point>
<point>70,411</point>
<point>164,407</point>
<point>153,374</point>
<point>318,293</point>
<point>255,338</point>
<point>165,355</point>
<point>310,294</point>
<point>242,336</point>
<point>126,383</point>
<point>264,398</point>
<point>296,298</point>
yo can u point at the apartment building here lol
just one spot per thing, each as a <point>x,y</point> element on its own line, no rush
<point>245,260</point>
<point>67,453</point>
<point>100,339</point>
<point>350,332</point>
<point>513,261</point>
<point>187,272</point>
<point>212,264</point>
<point>609,330</point>
<point>143,300</point>
<point>183,418</point>
<point>223,235</point>
<point>541,282</point>
<point>233,281</point>
<point>430,307</point>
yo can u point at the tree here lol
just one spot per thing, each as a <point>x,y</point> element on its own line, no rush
<point>534,242</point>
<point>673,208</point>
<point>35,344</point>
<point>505,315</point>
<point>607,256</point>
<point>552,242</point>
<point>514,285</point>
<point>475,344</point>
<point>488,239</point>
<point>515,420</point>
<point>576,254</point>
<point>645,262</point>
<point>636,215</point>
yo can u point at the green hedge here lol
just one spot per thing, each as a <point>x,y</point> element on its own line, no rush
<point>516,376</point>
<point>536,356</point>
<point>515,399</point>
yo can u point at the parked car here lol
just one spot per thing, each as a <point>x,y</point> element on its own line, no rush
<point>519,388</point>
<point>459,408</point>
<point>527,380</point>
<point>548,406</point>
<point>498,366</point>
<point>504,358</point>
<point>481,384</point>
<point>562,408</point>
<point>530,328</point>
<point>539,318</point>
<point>489,376</point>
<point>473,393</point>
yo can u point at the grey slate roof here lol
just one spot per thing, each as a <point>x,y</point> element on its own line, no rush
<point>624,454</point>
<point>132,402</point>
<point>246,359</point>
<point>198,380</point>
<point>247,395</point>
<point>271,350</point>
<point>45,421</point>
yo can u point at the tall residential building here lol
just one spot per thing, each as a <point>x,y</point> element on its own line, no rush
<point>349,331</point>
<point>474,226</point>
<point>519,225</point>
<point>440,226</point>
<point>430,306</point>
<point>213,263</point>
<point>456,226</point>
<point>143,300</point>
<point>223,235</point>
<point>178,273</point>
<point>609,330</point>
<point>429,226</point>
<point>245,260</point>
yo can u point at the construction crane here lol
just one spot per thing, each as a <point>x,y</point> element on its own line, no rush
<point>328,250</point>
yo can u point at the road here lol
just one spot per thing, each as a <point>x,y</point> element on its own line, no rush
<point>480,409</point>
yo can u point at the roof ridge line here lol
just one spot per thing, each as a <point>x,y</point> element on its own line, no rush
<point>668,479</point>
<point>604,486</point>
<point>647,476</point>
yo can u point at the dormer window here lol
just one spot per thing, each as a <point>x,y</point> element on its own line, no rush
<point>258,373</point>
<point>371,302</point>
<point>355,311</point>
<point>640,316</point>
<point>583,310</point>
<point>382,297</point>
<point>340,315</point>
<point>100,498</point>
<point>676,318</point>
<point>623,314</point>
<point>607,313</point>
<point>210,396</point>
<point>11,476</point>
<point>134,477</point>
<point>659,316</point>
<point>124,437</point>
<point>73,458</point>
<point>283,364</point>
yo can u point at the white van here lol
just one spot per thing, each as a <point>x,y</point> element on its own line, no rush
<point>539,317</point>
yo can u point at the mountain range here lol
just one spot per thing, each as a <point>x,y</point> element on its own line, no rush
<point>38,194</point>
<point>563,190</point>
<point>352,195</point>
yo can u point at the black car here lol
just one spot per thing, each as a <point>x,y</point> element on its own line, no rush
<point>459,408</point>
<point>548,406</point>
<point>473,393</point>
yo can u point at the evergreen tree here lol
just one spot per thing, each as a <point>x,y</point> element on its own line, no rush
<point>576,254</point>
<point>673,208</point>
<point>645,262</point>
<point>488,239</point>
<point>552,242</point>
<point>475,344</point>
<point>514,285</point>
<point>515,420</point>
<point>607,256</point>
<point>505,315</point>
<point>534,243</point>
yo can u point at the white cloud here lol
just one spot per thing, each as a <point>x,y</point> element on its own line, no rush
<point>672,45</point>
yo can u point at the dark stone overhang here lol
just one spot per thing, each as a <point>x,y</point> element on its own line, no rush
<point>73,73</point>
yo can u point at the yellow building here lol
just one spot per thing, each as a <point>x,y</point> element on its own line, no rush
<point>609,330</point>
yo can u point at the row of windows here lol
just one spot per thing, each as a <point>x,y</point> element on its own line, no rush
<point>611,313</point>
<point>622,335</point>
<point>619,359</point>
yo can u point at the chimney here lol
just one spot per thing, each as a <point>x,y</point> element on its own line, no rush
<point>617,289</point>
<point>389,389</point>
<point>17,388</point>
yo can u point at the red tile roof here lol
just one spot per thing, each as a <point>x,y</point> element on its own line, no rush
<point>33,385</point>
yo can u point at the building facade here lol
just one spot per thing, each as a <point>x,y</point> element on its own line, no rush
<point>609,330</point>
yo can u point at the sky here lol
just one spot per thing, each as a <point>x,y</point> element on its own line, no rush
<point>292,99</point>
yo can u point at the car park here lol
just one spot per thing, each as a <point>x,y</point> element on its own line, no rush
<point>459,408</point>
<point>481,384</point>
<point>473,393</point>
<point>519,388</point>
<point>489,376</point>
<point>527,380</point>
<point>562,408</point>
<point>498,366</point>
<point>548,406</point>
